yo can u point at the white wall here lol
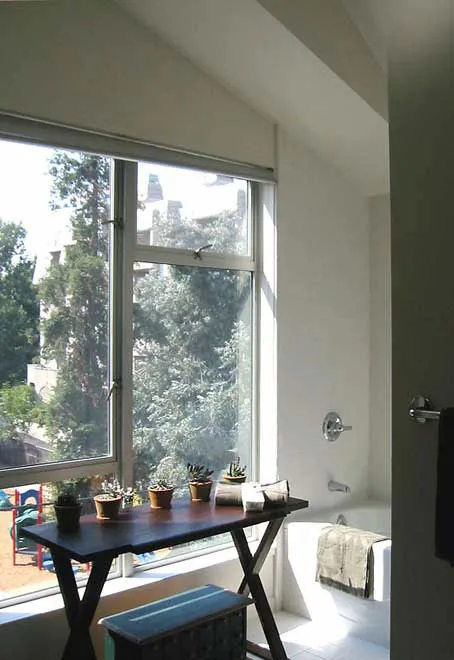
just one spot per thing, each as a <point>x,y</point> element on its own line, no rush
<point>323,326</point>
<point>87,63</point>
<point>380,350</point>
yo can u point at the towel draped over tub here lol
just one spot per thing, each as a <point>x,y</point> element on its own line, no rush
<point>344,559</point>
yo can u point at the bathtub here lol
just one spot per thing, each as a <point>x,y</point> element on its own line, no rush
<point>339,613</point>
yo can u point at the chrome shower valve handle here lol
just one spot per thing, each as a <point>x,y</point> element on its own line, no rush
<point>332,426</point>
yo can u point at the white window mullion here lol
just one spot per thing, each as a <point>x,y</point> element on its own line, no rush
<point>129,215</point>
<point>128,183</point>
<point>255,237</point>
<point>266,412</point>
<point>115,304</point>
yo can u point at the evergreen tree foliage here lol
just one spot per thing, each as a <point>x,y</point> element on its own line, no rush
<point>19,310</point>
<point>192,324</point>
<point>74,308</point>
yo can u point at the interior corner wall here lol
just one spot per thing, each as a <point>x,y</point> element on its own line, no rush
<point>322,326</point>
<point>380,350</point>
<point>89,64</point>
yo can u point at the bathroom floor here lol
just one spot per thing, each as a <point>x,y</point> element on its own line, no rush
<point>305,640</point>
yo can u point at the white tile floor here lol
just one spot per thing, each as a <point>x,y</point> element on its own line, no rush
<point>304,640</point>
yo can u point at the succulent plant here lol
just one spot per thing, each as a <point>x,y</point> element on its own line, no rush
<point>198,473</point>
<point>159,484</point>
<point>235,469</point>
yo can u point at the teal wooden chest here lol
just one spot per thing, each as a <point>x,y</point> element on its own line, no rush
<point>204,623</point>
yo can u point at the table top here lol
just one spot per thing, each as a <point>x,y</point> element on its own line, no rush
<point>142,529</point>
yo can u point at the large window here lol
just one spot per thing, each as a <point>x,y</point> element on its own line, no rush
<point>127,332</point>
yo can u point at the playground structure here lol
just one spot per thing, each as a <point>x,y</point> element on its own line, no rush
<point>26,513</point>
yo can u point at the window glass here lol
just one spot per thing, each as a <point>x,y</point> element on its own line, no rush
<point>192,371</point>
<point>188,209</point>
<point>54,291</point>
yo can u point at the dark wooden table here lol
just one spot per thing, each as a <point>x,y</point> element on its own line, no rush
<point>141,529</point>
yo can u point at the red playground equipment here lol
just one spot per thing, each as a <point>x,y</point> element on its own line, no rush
<point>27,513</point>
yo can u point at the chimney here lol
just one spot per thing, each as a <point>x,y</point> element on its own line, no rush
<point>154,193</point>
<point>174,209</point>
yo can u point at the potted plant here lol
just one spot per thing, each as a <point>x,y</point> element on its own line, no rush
<point>235,473</point>
<point>160,495</point>
<point>67,510</point>
<point>199,482</point>
<point>108,501</point>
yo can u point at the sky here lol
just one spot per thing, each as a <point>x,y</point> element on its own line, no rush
<point>25,193</point>
<point>23,197</point>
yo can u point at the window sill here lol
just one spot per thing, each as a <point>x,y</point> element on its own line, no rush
<point>120,584</point>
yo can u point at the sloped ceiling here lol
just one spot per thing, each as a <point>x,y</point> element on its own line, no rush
<point>332,35</point>
<point>307,65</point>
<point>372,19</point>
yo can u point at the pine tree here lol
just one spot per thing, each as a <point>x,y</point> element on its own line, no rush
<point>74,309</point>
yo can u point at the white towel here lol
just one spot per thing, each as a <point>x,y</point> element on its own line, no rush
<point>344,559</point>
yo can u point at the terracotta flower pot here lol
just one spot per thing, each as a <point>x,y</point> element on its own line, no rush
<point>68,517</point>
<point>107,506</point>
<point>234,480</point>
<point>200,490</point>
<point>160,498</point>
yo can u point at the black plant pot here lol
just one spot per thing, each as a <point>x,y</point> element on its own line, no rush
<point>68,517</point>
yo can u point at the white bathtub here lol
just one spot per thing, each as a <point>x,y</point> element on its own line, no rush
<point>341,613</point>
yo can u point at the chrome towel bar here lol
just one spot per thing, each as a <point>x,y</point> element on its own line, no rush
<point>421,410</point>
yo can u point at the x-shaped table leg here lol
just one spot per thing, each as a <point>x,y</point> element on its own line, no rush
<point>251,583</point>
<point>80,612</point>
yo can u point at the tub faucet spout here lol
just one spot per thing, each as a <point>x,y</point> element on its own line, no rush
<point>337,487</point>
